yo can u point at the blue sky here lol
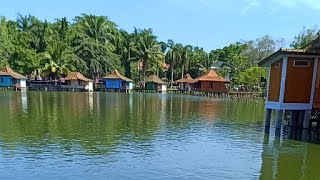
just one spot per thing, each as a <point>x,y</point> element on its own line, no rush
<point>206,23</point>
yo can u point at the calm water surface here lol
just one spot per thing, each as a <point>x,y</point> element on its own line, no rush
<point>55,135</point>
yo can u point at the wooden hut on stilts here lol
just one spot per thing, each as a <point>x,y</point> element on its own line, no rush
<point>293,85</point>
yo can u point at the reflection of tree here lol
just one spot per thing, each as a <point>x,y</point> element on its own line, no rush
<point>289,160</point>
<point>66,119</point>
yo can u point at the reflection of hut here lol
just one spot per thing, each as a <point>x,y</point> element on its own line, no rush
<point>210,82</point>
<point>185,82</point>
<point>75,80</point>
<point>9,78</point>
<point>153,82</point>
<point>117,82</point>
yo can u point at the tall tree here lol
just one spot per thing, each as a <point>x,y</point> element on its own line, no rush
<point>59,60</point>
<point>304,37</point>
<point>148,51</point>
<point>173,56</point>
<point>185,58</point>
<point>94,41</point>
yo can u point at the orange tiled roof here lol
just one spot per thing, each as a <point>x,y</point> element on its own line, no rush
<point>7,71</point>
<point>155,79</point>
<point>76,76</point>
<point>186,79</point>
<point>116,75</point>
<point>211,75</point>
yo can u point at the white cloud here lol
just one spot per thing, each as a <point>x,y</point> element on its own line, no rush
<point>311,4</point>
<point>250,4</point>
<point>245,6</point>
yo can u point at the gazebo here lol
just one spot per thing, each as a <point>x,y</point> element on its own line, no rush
<point>9,78</point>
<point>116,81</point>
<point>75,80</point>
<point>210,82</point>
<point>184,83</point>
<point>153,82</point>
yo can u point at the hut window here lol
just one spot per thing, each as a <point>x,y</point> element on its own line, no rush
<point>1,80</point>
<point>301,63</point>
<point>277,65</point>
<point>113,82</point>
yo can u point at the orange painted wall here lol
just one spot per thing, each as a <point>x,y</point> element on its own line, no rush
<point>216,86</point>
<point>316,101</point>
<point>298,82</point>
<point>275,81</point>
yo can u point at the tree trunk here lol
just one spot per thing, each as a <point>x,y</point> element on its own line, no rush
<point>127,66</point>
<point>158,70</point>
<point>182,71</point>
<point>171,76</point>
<point>144,71</point>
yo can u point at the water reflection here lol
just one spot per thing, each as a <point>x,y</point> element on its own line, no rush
<point>154,135</point>
<point>286,158</point>
<point>24,101</point>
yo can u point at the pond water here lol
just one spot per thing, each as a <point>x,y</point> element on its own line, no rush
<point>69,135</point>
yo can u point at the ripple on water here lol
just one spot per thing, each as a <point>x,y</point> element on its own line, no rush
<point>139,136</point>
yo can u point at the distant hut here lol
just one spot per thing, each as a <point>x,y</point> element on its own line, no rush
<point>210,82</point>
<point>153,82</point>
<point>9,78</point>
<point>75,80</point>
<point>116,81</point>
<point>184,83</point>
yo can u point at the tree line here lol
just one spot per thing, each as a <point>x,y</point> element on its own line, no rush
<point>95,46</point>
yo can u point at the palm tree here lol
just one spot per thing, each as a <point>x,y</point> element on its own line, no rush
<point>148,51</point>
<point>127,49</point>
<point>186,56</point>
<point>173,56</point>
<point>62,27</point>
<point>96,43</point>
<point>60,60</point>
<point>25,23</point>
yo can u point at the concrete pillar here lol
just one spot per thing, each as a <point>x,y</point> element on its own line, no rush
<point>268,117</point>
<point>306,119</point>
<point>279,117</point>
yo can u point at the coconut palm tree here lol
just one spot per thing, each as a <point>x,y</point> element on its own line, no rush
<point>127,49</point>
<point>173,56</point>
<point>148,51</point>
<point>25,23</point>
<point>95,41</point>
<point>186,56</point>
<point>59,60</point>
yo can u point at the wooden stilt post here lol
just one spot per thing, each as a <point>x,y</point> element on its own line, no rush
<point>300,120</point>
<point>306,119</point>
<point>268,117</point>
<point>293,118</point>
<point>279,117</point>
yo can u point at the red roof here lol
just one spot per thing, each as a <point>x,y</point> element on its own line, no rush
<point>186,79</point>
<point>155,79</point>
<point>7,71</point>
<point>77,76</point>
<point>211,75</point>
<point>116,75</point>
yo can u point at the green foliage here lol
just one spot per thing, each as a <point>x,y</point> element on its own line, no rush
<point>250,77</point>
<point>304,37</point>
<point>95,46</point>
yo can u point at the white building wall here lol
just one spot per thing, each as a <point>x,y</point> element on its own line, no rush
<point>90,86</point>
<point>163,88</point>
<point>130,85</point>
<point>23,84</point>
